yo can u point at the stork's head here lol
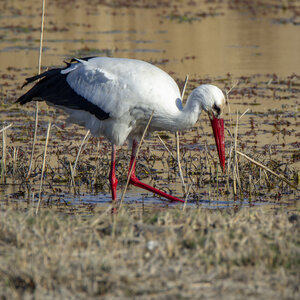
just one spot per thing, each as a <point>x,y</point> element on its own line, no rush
<point>212,101</point>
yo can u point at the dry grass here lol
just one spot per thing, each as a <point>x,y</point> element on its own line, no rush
<point>167,254</point>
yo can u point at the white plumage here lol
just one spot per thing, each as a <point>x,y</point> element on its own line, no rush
<point>115,97</point>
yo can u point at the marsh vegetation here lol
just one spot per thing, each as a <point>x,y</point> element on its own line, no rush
<point>237,236</point>
<point>158,254</point>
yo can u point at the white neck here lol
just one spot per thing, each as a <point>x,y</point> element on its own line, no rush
<point>204,97</point>
<point>190,113</point>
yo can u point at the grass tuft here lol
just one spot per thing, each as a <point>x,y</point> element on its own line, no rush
<point>171,253</point>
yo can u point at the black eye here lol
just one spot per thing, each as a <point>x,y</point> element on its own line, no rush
<point>217,109</point>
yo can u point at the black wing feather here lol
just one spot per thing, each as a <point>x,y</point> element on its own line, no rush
<point>54,88</point>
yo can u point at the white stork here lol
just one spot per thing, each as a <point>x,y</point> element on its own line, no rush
<point>115,97</point>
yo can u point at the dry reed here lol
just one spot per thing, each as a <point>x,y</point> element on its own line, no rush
<point>6,127</point>
<point>37,104</point>
<point>43,166</point>
<point>3,160</point>
<point>177,143</point>
<point>133,163</point>
<point>267,169</point>
<point>79,151</point>
<point>165,146</point>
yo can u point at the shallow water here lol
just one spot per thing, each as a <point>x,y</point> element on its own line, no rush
<point>236,41</point>
<point>223,42</point>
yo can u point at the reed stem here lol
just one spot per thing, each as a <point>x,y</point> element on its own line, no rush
<point>79,151</point>
<point>178,145</point>
<point>34,139</point>
<point>281,177</point>
<point>3,160</point>
<point>43,166</point>
<point>166,147</point>
<point>133,163</point>
<point>37,104</point>
<point>6,127</point>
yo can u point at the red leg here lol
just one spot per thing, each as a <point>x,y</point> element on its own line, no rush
<point>136,182</point>
<point>112,175</point>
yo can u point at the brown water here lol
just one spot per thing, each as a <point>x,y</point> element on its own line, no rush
<point>235,41</point>
<point>225,42</point>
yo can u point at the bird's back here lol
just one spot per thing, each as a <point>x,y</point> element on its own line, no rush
<point>118,84</point>
<point>113,97</point>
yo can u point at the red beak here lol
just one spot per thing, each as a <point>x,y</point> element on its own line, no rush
<point>218,130</point>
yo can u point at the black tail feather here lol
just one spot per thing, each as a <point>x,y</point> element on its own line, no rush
<point>35,91</point>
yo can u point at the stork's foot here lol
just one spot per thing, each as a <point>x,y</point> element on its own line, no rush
<point>136,182</point>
